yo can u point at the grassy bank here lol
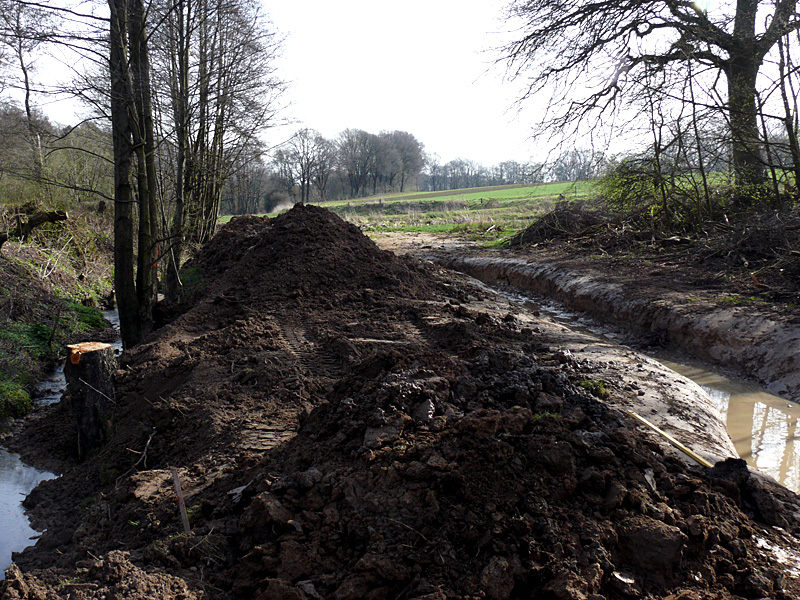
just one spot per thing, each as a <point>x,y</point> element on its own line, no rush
<point>50,289</point>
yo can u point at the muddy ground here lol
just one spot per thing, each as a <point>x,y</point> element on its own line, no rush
<point>349,424</point>
<point>728,294</point>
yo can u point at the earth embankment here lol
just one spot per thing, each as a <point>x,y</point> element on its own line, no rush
<point>347,423</point>
<point>747,338</point>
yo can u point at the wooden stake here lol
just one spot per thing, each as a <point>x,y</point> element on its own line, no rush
<point>181,502</point>
<point>691,454</point>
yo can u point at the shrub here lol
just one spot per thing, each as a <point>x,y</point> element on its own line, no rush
<point>14,400</point>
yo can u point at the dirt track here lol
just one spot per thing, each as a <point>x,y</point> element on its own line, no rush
<point>350,424</point>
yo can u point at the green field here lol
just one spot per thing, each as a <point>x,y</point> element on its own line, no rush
<point>488,213</point>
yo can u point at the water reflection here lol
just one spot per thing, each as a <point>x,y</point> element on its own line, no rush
<point>763,427</point>
<point>16,482</point>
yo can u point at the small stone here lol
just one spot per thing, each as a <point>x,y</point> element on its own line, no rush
<point>567,586</point>
<point>308,479</point>
<point>758,586</point>
<point>375,437</point>
<point>652,549</point>
<point>777,388</point>
<point>423,412</point>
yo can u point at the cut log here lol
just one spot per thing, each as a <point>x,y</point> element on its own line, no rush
<point>23,230</point>
<point>89,371</point>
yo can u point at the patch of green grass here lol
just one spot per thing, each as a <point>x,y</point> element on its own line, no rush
<point>14,400</point>
<point>33,338</point>
<point>735,300</point>
<point>89,318</point>
<point>539,416</point>
<point>68,581</point>
<point>595,386</point>
<point>481,214</point>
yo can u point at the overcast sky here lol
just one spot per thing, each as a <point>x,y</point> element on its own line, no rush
<point>422,66</point>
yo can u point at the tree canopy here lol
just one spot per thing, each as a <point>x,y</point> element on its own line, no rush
<point>614,49</point>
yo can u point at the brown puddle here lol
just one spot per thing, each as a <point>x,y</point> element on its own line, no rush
<point>763,426</point>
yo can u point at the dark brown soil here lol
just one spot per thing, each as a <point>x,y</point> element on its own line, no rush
<point>345,427</point>
<point>566,221</point>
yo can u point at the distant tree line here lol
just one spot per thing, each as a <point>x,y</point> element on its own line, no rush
<point>356,163</point>
<point>311,168</point>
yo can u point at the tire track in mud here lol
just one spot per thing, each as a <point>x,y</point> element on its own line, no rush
<point>316,364</point>
<point>310,364</point>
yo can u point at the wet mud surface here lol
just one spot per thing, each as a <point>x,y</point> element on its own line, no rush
<point>347,423</point>
<point>665,296</point>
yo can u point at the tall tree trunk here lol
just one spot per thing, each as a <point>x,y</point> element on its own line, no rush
<point>124,282</point>
<point>790,113</point>
<point>35,140</point>
<point>748,164</point>
<point>146,172</point>
<point>742,71</point>
<point>180,100</point>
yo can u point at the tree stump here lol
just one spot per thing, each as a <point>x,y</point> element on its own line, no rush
<point>89,371</point>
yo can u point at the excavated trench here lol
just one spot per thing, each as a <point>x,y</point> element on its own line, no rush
<point>739,338</point>
<point>761,424</point>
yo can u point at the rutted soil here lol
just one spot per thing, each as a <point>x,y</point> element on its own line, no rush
<point>729,296</point>
<point>348,423</point>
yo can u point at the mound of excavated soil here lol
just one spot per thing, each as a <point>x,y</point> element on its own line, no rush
<point>346,426</point>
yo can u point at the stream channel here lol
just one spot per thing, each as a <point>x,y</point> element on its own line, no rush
<point>18,479</point>
<point>763,426</point>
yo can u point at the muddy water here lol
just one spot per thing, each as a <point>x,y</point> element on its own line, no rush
<point>17,479</point>
<point>763,426</point>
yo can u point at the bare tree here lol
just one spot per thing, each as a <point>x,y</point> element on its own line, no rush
<point>324,164</point>
<point>564,40</point>
<point>302,156</point>
<point>23,29</point>
<point>356,152</point>
<point>410,152</point>
<point>132,131</point>
<point>246,188</point>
